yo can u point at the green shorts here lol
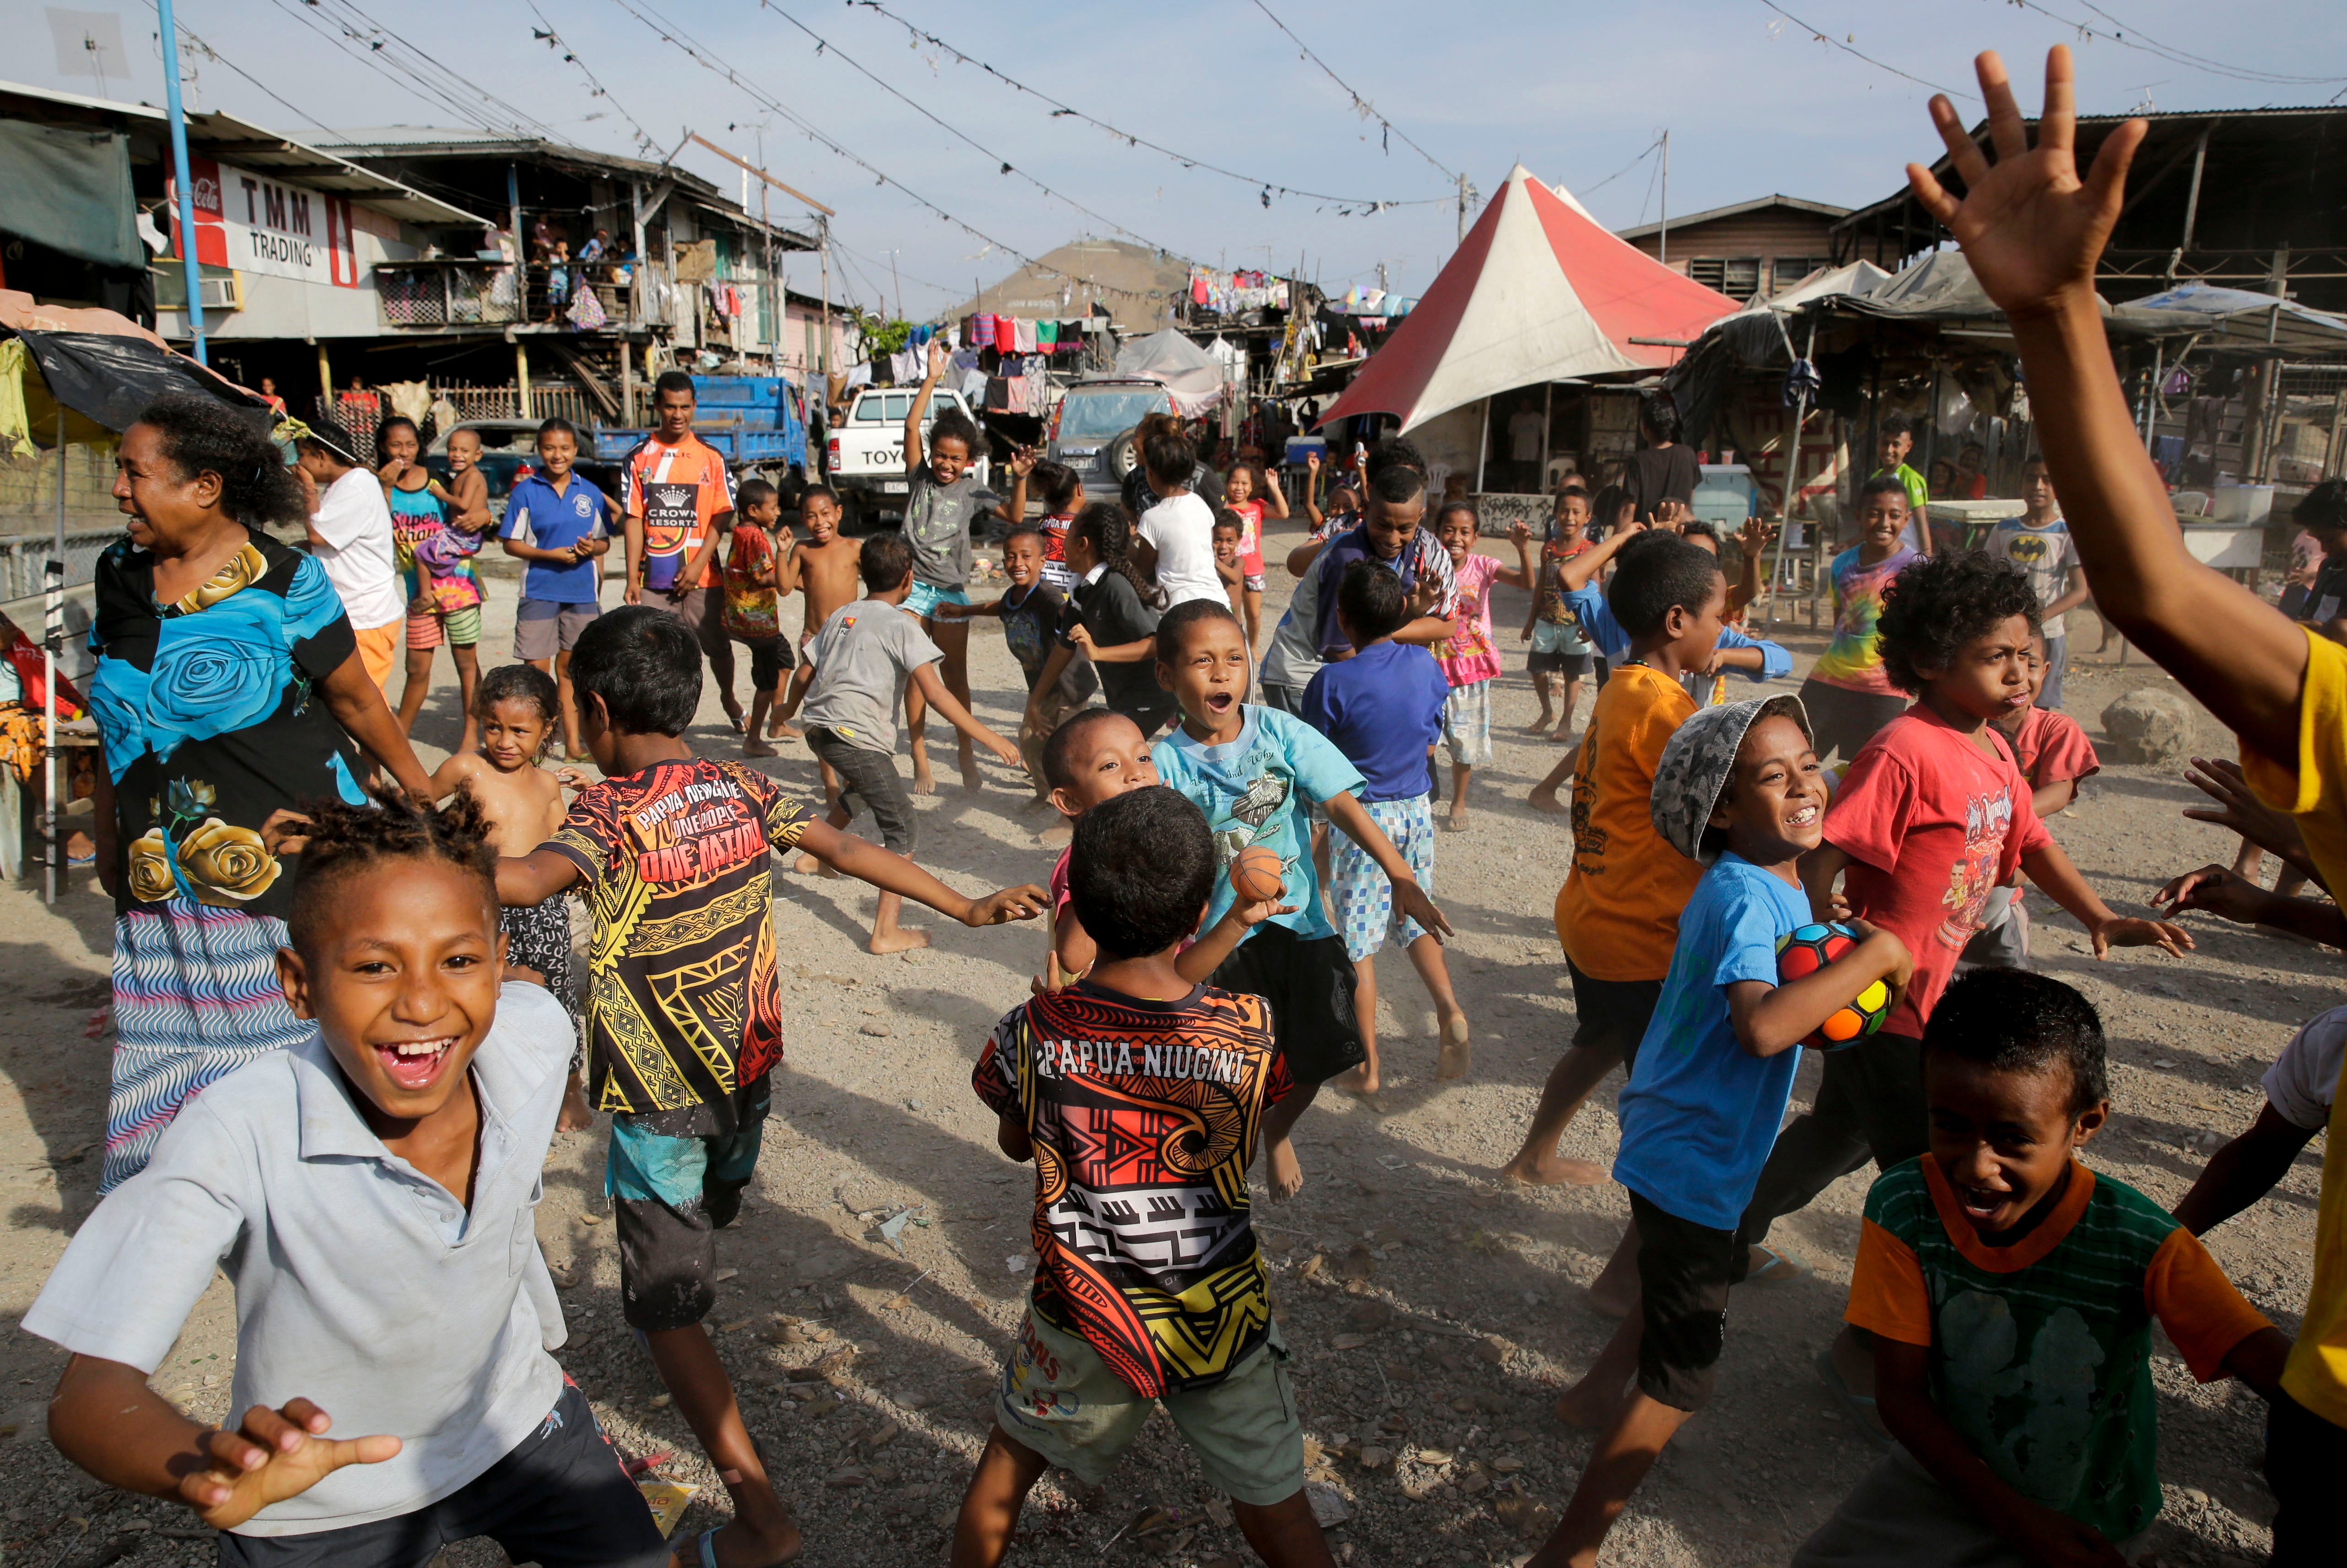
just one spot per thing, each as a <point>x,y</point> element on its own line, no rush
<point>1059,1398</point>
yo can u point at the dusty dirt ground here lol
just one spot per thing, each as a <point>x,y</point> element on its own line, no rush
<point>1435,1313</point>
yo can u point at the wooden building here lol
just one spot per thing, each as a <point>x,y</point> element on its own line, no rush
<point>1756,247</point>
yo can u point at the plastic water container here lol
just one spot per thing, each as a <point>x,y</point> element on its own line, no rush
<point>1723,496</point>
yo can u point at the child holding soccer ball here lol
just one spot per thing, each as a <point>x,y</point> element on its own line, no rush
<point>1740,790</point>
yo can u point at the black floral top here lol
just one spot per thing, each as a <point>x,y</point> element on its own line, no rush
<point>209,721</point>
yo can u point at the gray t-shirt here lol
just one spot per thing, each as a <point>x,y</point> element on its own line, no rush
<point>2045,555</point>
<point>862,659</point>
<point>361,1283</point>
<point>938,520</point>
<point>1294,656</point>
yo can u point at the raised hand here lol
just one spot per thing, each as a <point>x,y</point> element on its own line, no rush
<point>938,359</point>
<point>1520,531</point>
<point>2031,228</point>
<point>273,1455</point>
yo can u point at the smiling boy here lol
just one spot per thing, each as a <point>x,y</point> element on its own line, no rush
<point>1739,791</point>
<point>355,1187</point>
<point>2010,1291</point>
<point>1847,693</point>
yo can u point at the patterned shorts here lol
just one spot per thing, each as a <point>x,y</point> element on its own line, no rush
<point>461,627</point>
<point>537,936</point>
<point>1365,909</point>
<point>1467,725</point>
<point>196,997</point>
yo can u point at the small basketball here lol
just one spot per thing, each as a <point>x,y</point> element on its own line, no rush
<point>1256,876</point>
<point>1805,951</point>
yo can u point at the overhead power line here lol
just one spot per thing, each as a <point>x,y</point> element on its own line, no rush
<point>1062,109</point>
<point>428,92</point>
<point>1593,189</point>
<point>823,45</point>
<point>677,38</point>
<point>1847,47</point>
<point>557,42</point>
<point>362,28</point>
<point>2119,34</point>
<point>1361,105</point>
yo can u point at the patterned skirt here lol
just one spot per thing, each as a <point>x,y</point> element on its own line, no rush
<point>195,998</point>
<point>537,936</point>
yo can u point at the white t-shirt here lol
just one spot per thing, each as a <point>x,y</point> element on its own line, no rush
<point>354,521</point>
<point>2305,1076</point>
<point>1181,529</point>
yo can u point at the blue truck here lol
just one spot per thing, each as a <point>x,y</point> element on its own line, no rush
<point>756,423</point>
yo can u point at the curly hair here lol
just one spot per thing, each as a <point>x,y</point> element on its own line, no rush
<point>345,840</point>
<point>953,424</point>
<point>205,436</point>
<point>1940,603</point>
<point>520,684</point>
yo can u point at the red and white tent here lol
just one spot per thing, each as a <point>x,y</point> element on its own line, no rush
<point>1539,290</point>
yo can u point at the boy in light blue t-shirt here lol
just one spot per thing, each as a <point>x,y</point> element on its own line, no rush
<point>1739,789</point>
<point>1257,773</point>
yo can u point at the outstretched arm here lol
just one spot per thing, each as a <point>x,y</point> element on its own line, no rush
<point>954,714</point>
<point>892,873</point>
<point>2033,230</point>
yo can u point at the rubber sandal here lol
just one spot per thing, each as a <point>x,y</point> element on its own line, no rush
<point>1858,1408</point>
<point>1782,1267</point>
<point>706,1547</point>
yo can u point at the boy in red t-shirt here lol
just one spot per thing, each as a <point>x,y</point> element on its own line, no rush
<point>1931,823</point>
<point>2054,755</point>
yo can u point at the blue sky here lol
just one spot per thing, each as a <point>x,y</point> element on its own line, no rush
<point>1574,90</point>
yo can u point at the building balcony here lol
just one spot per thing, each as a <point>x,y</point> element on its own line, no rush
<point>447,292</point>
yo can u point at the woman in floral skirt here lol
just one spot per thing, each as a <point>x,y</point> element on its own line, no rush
<point>228,685</point>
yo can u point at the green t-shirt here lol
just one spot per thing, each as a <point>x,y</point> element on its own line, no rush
<point>2041,1351</point>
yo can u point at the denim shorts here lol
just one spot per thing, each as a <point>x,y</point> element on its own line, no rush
<point>925,599</point>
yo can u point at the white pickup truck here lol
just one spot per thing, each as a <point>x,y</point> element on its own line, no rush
<point>865,452</point>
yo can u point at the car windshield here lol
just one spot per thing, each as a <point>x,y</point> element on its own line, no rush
<point>1096,415</point>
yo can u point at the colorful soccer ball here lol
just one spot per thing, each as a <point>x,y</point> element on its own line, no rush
<point>1805,951</point>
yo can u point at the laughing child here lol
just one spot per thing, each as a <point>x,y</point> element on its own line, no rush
<point>1082,1080</point>
<point>2010,1291</point>
<point>1257,773</point>
<point>1561,650</point>
<point>1739,791</point>
<point>369,1193</point>
<point>685,1019</point>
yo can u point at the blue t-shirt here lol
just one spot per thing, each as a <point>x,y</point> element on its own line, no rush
<point>537,515</point>
<point>1612,643</point>
<point>1260,790</point>
<point>1382,707</point>
<point>1701,1113</point>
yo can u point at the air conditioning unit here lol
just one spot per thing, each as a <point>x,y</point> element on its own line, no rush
<point>222,294</point>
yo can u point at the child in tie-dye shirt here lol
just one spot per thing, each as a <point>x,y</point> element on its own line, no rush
<point>1848,695</point>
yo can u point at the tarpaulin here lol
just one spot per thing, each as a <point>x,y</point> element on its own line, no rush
<point>69,188</point>
<point>108,379</point>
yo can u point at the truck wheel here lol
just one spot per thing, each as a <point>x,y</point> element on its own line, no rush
<point>1124,455</point>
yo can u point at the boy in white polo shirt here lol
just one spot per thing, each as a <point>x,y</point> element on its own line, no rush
<point>373,1302</point>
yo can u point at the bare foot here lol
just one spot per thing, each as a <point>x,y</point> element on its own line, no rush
<point>970,777</point>
<point>1541,723</point>
<point>779,731</point>
<point>1361,1080</point>
<point>574,1117</point>
<point>1544,799</point>
<point>1564,736</point>
<point>924,781</point>
<point>1456,1053</point>
<point>754,747</point>
<point>1554,1172</point>
<point>1588,1409</point>
<point>808,865</point>
<point>896,941</point>
<point>1286,1171</point>
<point>1457,821</point>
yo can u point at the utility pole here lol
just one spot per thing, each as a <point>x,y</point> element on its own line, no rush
<point>1662,245</point>
<point>899,283</point>
<point>1462,209</point>
<point>772,322</point>
<point>187,189</point>
<point>1381,277</point>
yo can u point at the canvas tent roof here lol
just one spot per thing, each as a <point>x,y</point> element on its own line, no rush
<point>2234,318</point>
<point>1538,290</point>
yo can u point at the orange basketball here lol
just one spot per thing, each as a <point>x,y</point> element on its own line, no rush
<point>1256,876</point>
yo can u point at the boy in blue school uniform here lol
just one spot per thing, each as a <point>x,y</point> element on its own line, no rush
<point>561,524</point>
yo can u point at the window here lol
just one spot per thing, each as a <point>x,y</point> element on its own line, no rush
<point>1791,270</point>
<point>1738,277</point>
